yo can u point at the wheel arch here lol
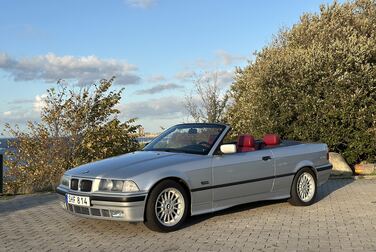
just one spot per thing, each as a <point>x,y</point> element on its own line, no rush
<point>305,164</point>
<point>299,169</point>
<point>178,180</point>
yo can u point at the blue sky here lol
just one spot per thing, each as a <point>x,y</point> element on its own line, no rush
<point>152,46</point>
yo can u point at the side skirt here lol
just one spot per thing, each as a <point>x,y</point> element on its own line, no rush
<point>197,209</point>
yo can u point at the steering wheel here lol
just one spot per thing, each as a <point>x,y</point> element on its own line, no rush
<point>205,144</point>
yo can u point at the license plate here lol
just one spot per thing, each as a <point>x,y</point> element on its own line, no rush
<point>78,200</point>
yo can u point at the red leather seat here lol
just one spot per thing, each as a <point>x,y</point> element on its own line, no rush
<point>246,143</point>
<point>271,139</point>
<point>212,139</point>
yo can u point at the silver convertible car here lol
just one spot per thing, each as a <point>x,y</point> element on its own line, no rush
<point>193,169</point>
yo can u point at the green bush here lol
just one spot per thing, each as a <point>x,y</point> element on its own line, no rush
<point>315,82</point>
<point>77,127</point>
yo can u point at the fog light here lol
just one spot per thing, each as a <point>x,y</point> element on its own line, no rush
<point>116,213</point>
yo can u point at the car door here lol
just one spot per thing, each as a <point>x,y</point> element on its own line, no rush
<point>241,177</point>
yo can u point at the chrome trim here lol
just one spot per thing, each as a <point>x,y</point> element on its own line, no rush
<point>114,204</point>
<point>324,167</point>
<point>98,197</point>
<point>79,184</point>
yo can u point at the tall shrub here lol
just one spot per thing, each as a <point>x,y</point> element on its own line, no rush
<point>77,126</point>
<point>315,82</point>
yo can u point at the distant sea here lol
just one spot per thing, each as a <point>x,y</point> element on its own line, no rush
<point>144,140</point>
<point>4,147</point>
<point>4,144</point>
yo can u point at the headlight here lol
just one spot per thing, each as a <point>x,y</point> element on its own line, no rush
<point>130,186</point>
<point>111,185</point>
<point>117,185</point>
<point>64,181</point>
<point>105,185</point>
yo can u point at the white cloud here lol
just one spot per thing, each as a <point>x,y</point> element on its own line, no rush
<point>185,75</point>
<point>159,88</point>
<point>18,116</point>
<point>165,107</point>
<point>224,78</point>
<point>39,102</point>
<point>85,70</point>
<point>144,4</point>
<point>221,59</point>
<point>23,110</point>
<point>156,78</point>
<point>227,58</point>
<point>203,63</point>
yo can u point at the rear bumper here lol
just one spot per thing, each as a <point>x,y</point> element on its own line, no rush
<point>108,207</point>
<point>324,167</point>
<point>323,173</point>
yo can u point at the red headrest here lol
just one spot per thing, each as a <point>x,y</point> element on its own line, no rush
<point>271,139</point>
<point>246,141</point>
<point>212,139</point>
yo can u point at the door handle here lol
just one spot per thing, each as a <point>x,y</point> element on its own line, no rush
<point>265,158</point>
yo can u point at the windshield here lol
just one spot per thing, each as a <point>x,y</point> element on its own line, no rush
<point>187,138</point>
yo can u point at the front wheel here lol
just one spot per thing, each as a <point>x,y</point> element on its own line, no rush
<point>167,207</point>
<point>304,188</point>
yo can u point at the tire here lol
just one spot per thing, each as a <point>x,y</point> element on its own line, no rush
<point>307,195</point>
<point>167,207</point>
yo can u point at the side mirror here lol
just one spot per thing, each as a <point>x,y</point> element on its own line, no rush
<point>228,148</point>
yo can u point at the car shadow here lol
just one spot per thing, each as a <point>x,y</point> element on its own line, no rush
<point>323,191</point>
<point>193,220</point>
<point>331,186</point>
<point>22,202</point>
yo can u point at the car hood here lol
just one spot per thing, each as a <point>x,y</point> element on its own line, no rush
<point>131,164</point>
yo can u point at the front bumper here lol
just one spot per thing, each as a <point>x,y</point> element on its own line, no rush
<point>108,207</point>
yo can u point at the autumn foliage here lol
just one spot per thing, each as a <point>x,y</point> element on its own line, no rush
<point>315,82</point>
<point>77,127</point>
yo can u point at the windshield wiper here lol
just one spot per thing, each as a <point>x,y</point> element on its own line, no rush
<point>161,149</point>
<point>170,150</point>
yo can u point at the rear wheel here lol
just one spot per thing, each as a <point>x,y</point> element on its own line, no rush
<point>167,207</point>
<point>304,188</point>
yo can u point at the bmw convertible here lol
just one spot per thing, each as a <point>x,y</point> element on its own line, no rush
<point>193,169</point>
